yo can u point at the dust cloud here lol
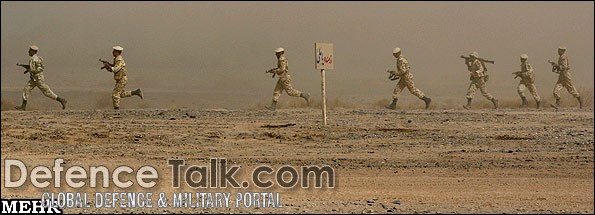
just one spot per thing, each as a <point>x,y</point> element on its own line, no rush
<point>214,54</point>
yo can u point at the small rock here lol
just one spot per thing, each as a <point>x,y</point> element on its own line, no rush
<point>398,202</point>
<point>383,206</point>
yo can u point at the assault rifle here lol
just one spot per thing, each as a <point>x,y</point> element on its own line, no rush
<point>271,71</point>
<point>555,67</point>
<point>105,63</point>
<point>27,67</point>
<point>393,75</point>
<point>517,74</point>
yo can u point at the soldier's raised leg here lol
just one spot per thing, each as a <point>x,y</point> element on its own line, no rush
<point>418,93</point>
<point>572,90</point>
<point>124,93</point>
<point>138,93</point>
<point>293,92</point>
<point>484,92</point>
<point>45,89</point>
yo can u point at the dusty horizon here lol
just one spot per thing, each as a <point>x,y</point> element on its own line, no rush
<point>223,48</point>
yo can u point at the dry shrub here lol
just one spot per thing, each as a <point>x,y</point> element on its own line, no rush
<point>587,96</point>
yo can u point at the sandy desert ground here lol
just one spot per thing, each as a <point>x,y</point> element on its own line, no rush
<point>403,161</point>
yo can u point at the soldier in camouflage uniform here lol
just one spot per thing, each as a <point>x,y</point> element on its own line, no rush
<point>406,80</point>
<point>284,82</point>
<point>564,79</point>
<point>118,67</point>
<point>35,70</point>
<point>478,80</point>
<point>527,80</point>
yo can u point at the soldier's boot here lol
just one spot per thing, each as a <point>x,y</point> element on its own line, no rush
<point>306,96</point>
<point>62,102</point>
<point>427,101</point>
<point>495,102</point>
<point>468,105</point>
<point>23,105</point>
<point>538,104</point>
<point>557,105</point>
<point>393,105</point>
<point>138,93</point>
<point>525,102</point>
<point>273,106</point>
<point>580,102</point>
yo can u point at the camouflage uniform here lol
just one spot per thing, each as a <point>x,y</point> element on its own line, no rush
<point>527,80</point>
<point>405,79</point>
<point>35,70</point>
<point>36,67</point>
<point>119,70</point>
<point>564,79</point>
<point>477,81</point>
<point>284,82</point>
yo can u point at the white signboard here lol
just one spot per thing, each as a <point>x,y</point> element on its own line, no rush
<point>324,55</point>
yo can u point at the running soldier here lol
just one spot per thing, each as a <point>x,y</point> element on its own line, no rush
<point>527,81</point>
<point>36,79</point>
<point>284,82</point>
<point>564,79</point>
<point>118,67</point>
<point>478,80</point>
<point>406,80</point>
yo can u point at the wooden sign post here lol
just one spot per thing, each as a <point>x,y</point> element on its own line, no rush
<point>324,59</point>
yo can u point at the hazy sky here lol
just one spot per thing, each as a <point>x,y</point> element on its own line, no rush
<point>227,46</point>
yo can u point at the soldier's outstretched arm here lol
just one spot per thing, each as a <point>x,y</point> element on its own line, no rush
<point>27,67</point>
<point>281,69</point>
